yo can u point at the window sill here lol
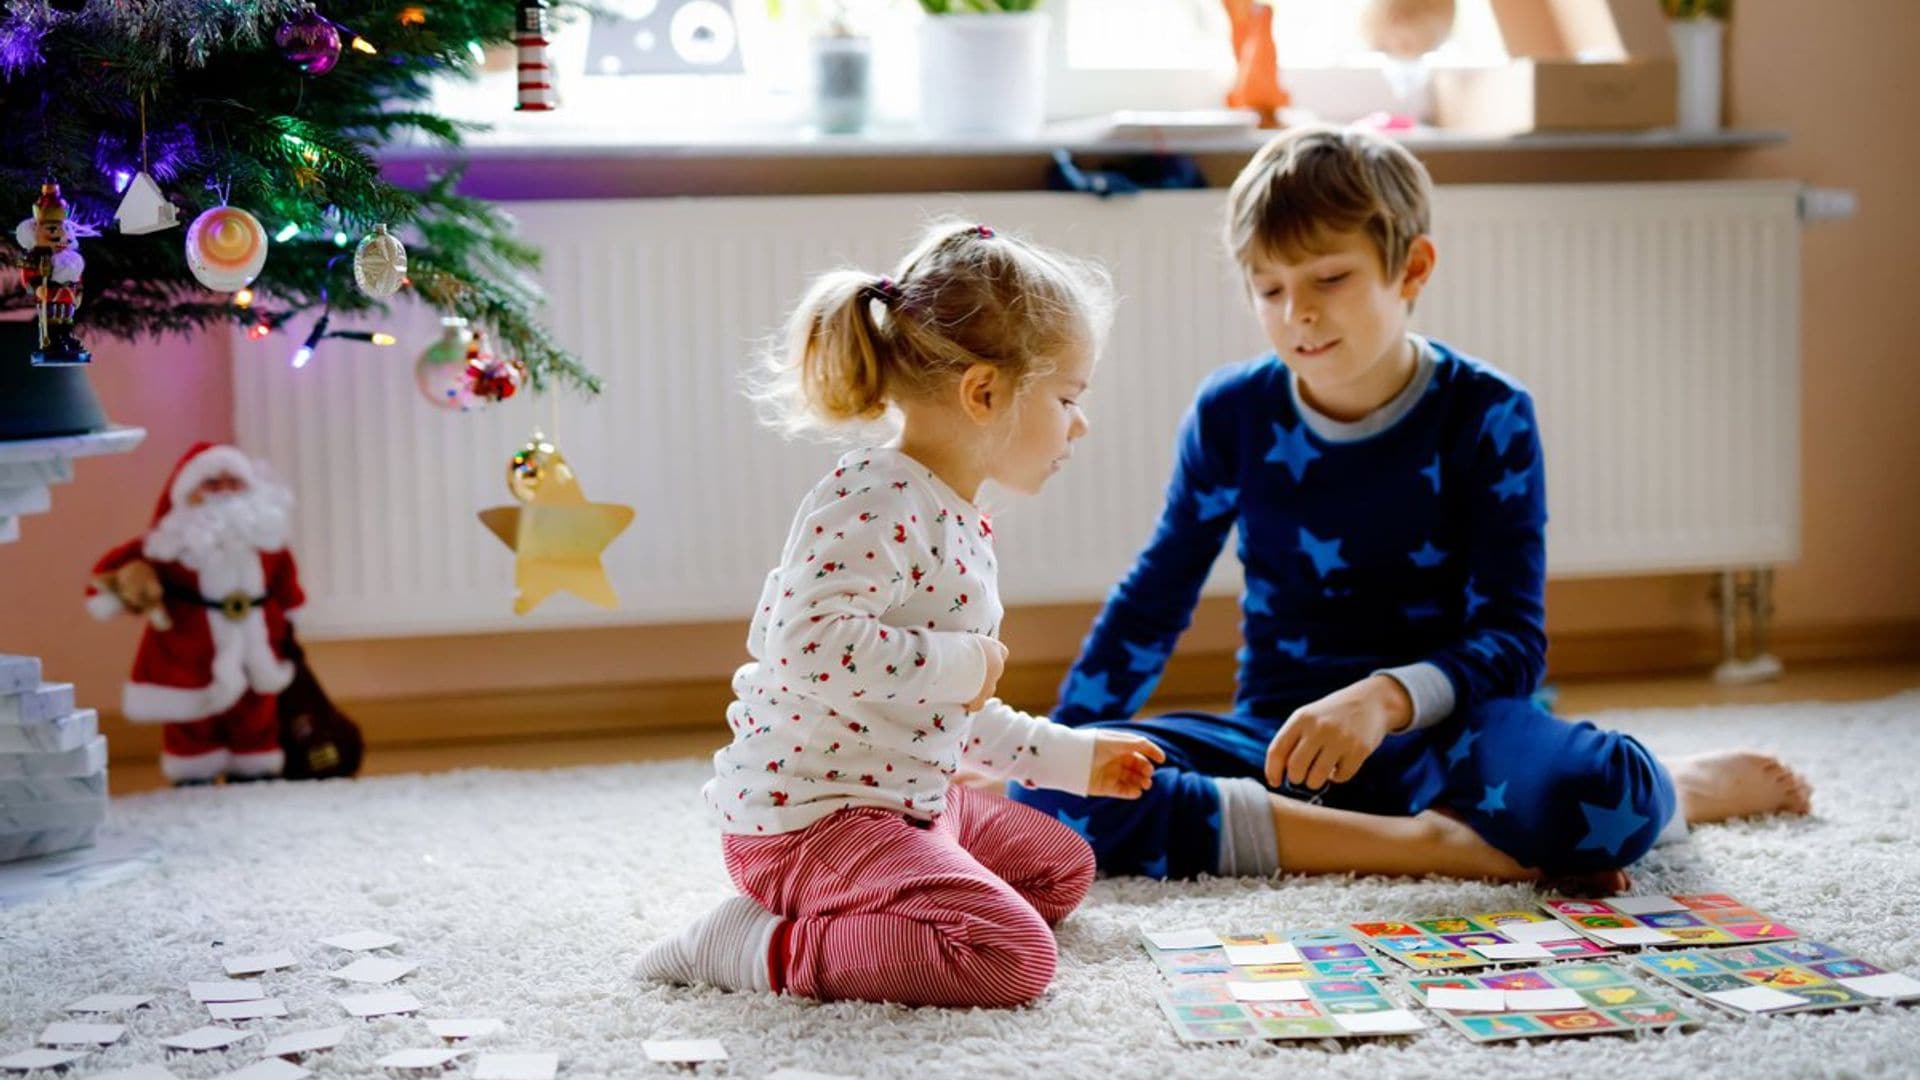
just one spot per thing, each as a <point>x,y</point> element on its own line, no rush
<point>788,143</point>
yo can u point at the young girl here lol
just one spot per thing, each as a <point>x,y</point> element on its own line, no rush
<point>867,874</point>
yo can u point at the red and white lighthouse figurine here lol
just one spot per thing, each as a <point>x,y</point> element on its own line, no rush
<point>536,69</point>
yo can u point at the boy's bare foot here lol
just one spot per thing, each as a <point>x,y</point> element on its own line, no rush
<point>1592,883</point>
<point>1738,783</point>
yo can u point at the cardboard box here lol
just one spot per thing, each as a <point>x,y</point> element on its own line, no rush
<point>1578,65</point>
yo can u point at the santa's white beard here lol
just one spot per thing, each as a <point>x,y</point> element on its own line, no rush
<point>224,531</point>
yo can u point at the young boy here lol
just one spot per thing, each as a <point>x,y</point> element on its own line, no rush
<point>1389,499</point>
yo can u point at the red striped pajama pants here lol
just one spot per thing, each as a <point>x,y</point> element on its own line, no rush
<point>956,913</point>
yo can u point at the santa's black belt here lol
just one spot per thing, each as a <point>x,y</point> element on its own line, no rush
<point>234,605</point>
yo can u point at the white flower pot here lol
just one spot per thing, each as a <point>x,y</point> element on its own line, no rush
<point>983,74</point>
<point>1697,50</point>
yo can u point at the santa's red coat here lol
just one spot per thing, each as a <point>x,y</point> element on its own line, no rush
<point>206,661</point>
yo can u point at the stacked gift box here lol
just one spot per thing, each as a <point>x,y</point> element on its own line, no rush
<point>53,764</point>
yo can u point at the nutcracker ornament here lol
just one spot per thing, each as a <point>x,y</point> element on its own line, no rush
<point>51,273</point>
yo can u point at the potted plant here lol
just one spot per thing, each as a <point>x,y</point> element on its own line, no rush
<point>1699,29</point>
<point>983,67</point>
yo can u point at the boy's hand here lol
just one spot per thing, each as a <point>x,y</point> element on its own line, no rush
<point>996,667</point>
<point>1328,740</point>
<point>1123,765</point>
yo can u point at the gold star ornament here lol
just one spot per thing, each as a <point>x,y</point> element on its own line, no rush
<point>557,536</point>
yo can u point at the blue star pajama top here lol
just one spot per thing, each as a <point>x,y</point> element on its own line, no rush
<point>1410,542</point>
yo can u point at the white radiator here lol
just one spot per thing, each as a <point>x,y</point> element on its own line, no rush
<point>1657,326</point>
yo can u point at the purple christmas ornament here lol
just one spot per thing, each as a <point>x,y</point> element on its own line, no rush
<point>310,41</point>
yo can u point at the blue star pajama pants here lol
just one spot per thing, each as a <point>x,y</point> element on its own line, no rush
<point>1563,796</point>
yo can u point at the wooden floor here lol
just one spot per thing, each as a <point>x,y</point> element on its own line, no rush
<point>1803,683</point>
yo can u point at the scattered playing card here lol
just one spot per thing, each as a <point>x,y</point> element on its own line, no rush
<point>464,1027</point>
<point>360,940</point>
<point>68,1033</point>
<point>381,1004</point>
<point>246,1010</point>
<point>205,1038</point>
<point>374,969</point>
<point>306,1042</point>
<point>1542,932</point>
<point>138,1072</point>
<point>258,962</point>
<point>1757,998</point>
<point>40,1058</point>
<point>1279,953</point>
<point>684,1050</point>
<point>1385,1022</point>
<point>419,1059</point>
<point>108,1003</point>
<point>1633,935</point>
<point>1550,1000</point>
<point>1268,991</point>
<point>1456,999</point>
<point>1176,940</point>
<point>1519,950</point>
<point>1890,985</point>
<point>224,990</point>
<point>1643,905</point>
<point>516,1067</point>
<point>268,1068</point>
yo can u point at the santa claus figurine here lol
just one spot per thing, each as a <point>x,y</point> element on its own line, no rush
<point>216,583</point>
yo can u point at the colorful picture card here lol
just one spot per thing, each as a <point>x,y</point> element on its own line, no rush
<point>1781,976</point>
<point>1460,942</point>
<point>1308,1009</point>
<point>1198,955</point>
<point>1547,1002</point>
<point>1666,921</point>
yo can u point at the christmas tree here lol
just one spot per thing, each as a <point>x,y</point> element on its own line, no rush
<point>276,107</point>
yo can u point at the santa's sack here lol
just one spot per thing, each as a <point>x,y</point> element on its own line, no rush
<point>318,739</point>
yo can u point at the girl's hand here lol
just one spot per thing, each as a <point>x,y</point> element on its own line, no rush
<point>1123,765</point>
<point>996,667</point>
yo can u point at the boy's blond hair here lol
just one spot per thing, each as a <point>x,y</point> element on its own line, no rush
<point>1311,182</point>
<point>965,295</point>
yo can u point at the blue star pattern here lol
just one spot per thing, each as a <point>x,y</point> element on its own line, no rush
<point>1081,825</point>
<point>1088,691</point>
<point>1428,556</point>
<point>1475,601</point>
<point>1324,553</point>
<point>1483,647</point>
<point>1503,422</point>
<point>1511,484</point>
<point>1608,829</point>
<point>1462,748</point>
<point>1496,799</point>
<point>1144,657</point>
<point>1292,449</point>
<point>1294,647</point>
<point>1211,504</point>
<point>1432,473</point>
<point>1139,699</point>
<point>1423,610</point>
<point>1259,599</point>
<point>1155,868</point>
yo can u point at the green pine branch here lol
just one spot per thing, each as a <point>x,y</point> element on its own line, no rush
<point>228,118</point>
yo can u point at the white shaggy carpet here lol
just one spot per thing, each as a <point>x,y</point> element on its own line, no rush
<point>527,895</point>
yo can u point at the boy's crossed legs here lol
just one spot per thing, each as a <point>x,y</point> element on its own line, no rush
<point>866,905</point>
<point>1505,791</point>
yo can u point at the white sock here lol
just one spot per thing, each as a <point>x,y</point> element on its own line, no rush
<point>726,947</point>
